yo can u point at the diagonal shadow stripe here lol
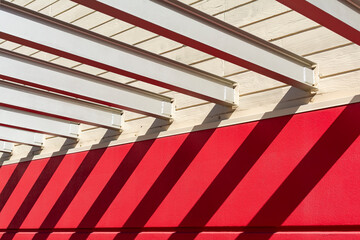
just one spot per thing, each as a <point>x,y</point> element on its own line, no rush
<point>116,182</point>
<point>232,173</point>
<point>8,236</point>
<point>35,192</point>
<point>159,190</point>
<point>114,185</point>
<point>308,173</point>
<point>167,179</point>
<point>70,191</point>
<point>14,180</point>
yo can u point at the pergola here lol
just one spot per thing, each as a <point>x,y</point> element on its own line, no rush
<point>39,97</point>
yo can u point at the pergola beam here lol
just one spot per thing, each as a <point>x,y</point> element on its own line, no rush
<point>340,16</point>
<point>38,123</point>
<point>184,24</point>
<point>6,147</point>
<point>27,28</point>
<point>53,105</point>
<point>77,84</point>
<point>21,136</point>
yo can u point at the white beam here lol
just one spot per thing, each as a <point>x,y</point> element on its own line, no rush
<point>21,136</point>
<point>340,16</point>
<point>181,23</point>
<point>6,147</point>
<point>74,83</point>
<point>36,101</point>
<point>27,28</point>
<point>37,123</point>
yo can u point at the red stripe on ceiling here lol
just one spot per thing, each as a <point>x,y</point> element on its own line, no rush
<point>316,14</point>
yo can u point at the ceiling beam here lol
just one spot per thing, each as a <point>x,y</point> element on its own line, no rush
<point>38,123</point>
<point>21,136</point>
<point>55,78</point>
<point>340,16</point>
<point>27,28</point>
<point>6,147</point>
<point>184,24</point>
<point>53,105</point>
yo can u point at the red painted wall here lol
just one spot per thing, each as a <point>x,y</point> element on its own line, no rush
<point>292,177</point>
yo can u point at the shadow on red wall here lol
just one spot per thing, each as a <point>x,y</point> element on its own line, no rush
<point>247,181</point>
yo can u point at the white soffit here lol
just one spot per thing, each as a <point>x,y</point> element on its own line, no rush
<point>28,27</point>
<point>6,147</point>
<point>38,123</point>
<point>36,101</point>
<point>340,16</point>
<point>21,136</point>
<point>182,23</point>
<point>77,84</point>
